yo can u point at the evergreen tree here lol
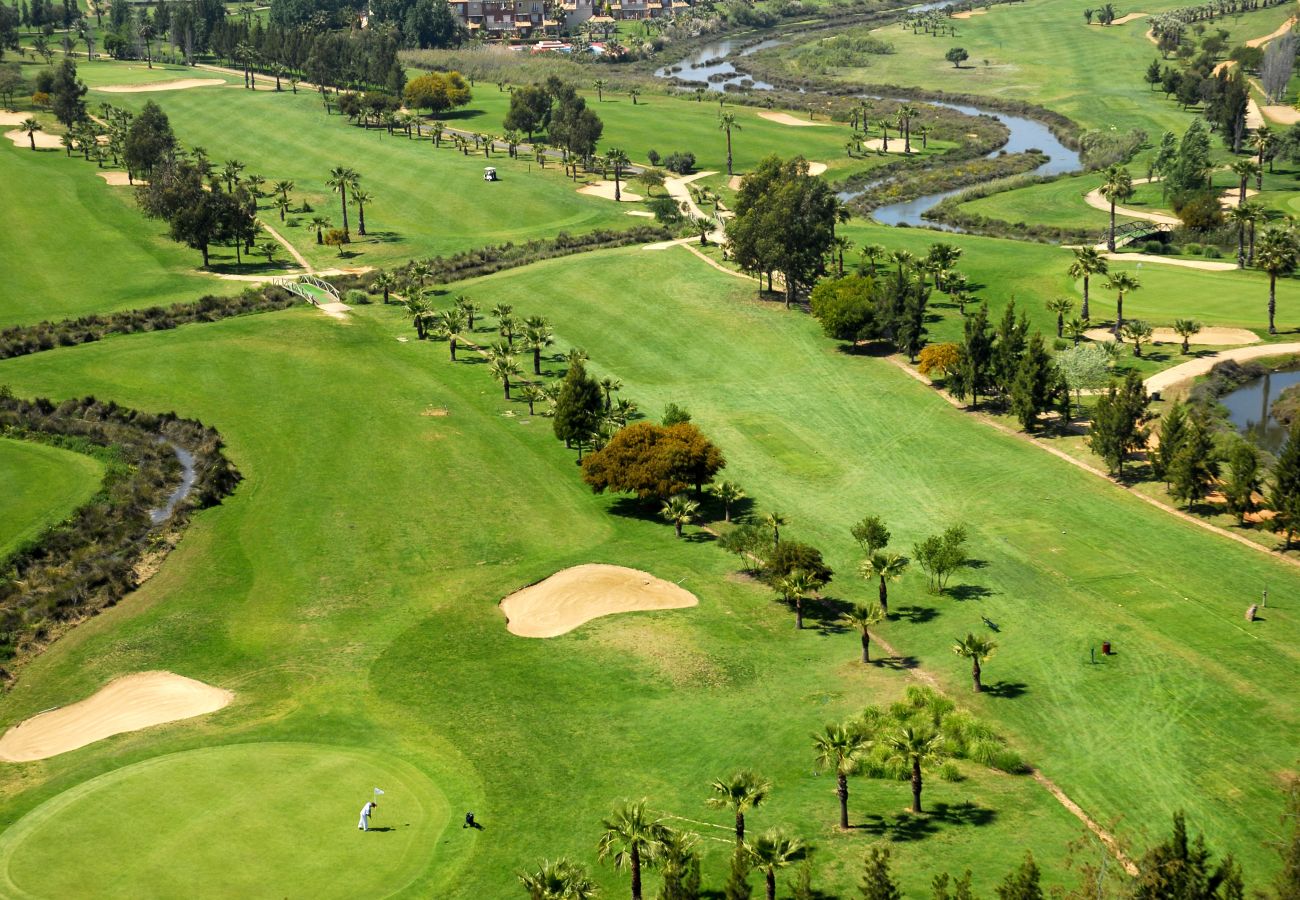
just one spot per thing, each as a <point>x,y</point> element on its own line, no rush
<point>67,92</point>
<point>1195,465</point>
<point>801,888</point>
<point>1023,883</point>
<point>1183,869</point>
<point>961,887</point>
<point>1173,429</point>
<point>911,325</point>
<point>975,358</point>
<point>1154,73</point>
<point>578,407</point>
<point>1287,883</point>
<point>1243,482</point>
<point>1117,422</point>
<point>1031,390</point>
<point>1285,496</point>
<point>877,881</point>
<point>738,886</point>
<point>1009,347</point>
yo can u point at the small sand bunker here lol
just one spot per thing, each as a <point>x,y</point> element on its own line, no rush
<point>574,596</point>
<point>126,704</point>
<point>816,168</point>
<point>1124,20</point>
<point>605,190</point>
<point>1213,336</point>
<point>968,13</point>
<point>44,140</point>
<point>895,144</point>
<point>179,84</point>
<point>119,179</point>
<point>641,213</point>
<point>786,119</point>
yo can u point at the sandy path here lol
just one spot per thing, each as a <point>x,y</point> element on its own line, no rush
<point>126,704</point>
<point>293,251</point>
<point>44,140</point>
<point>1162,381</point>
<point>1094,199</point>
<point>1281,115</point>
<point>1254,118</point>
<point>1204,265</point>
<point>786,119</point>
<point>1281,30</point>
<point>179,84</point>
<point>1214,336</point>
<point>574,596</point>
<point>678,190</point>
<point>605,190</point>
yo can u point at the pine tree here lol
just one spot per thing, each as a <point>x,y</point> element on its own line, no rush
<point>802,889</point>
<point>1195,465</point>
<point>1023,883</point>
<point>1287,883</point>
<point>911,323</point>
<point>877,882</point>
<point>578,407</point>
<point>1009,347</point>
<point>1183,868</point>
<point>1031,390</point>
<point>1173,429</point>
<point>737,886</point>
<point>1117,422</point>
<point>961,887</point>
<point>974,360</point>
<point>1239,491</point>
<point>1285,497</point>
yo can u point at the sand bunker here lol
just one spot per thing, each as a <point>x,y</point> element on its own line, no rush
<point>605,190</point>
<point>44,140</point>
<point>180,84</point>
<point>1207,337</point>
<point>816,168</point>
<point>119,179</point>
<point>574,596</point>
<point>1281,115</point>
<point>126,704</point>
<point>968,13</point>
<point>786,119</point>
<point>641,213</point>
<point>1124,20</point>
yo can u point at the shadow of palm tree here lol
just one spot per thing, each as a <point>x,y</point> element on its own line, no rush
<point>917,615</point>
<point>897,663</point>
<point>1007,690</point>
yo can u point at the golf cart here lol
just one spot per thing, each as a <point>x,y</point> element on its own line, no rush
<point>489,173</point>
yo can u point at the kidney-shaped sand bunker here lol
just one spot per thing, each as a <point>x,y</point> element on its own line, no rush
<point>573,596</point>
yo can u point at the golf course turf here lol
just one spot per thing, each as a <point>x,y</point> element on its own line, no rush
<point>43,485</point>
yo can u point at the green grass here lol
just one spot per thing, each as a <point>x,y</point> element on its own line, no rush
<point>370,621</point>
<point>43,485</point>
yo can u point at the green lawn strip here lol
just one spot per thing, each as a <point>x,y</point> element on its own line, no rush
<point>43,485</point>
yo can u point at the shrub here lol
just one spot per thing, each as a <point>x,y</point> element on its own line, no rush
<point>1192,249</point>
<point>356,297</point>
<point>1154,246</point>
<point>1212,252</point>
<point>675,415</point>
<point>653,156</point>
<point>788,556</point>
<point>681,162</point>
<point>665,210</point>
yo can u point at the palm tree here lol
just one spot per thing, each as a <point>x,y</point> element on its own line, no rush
<point>861,619</point>
<point>537,337</point>
<point>884,133</point>
<point>1121,283</point>
<point>914,747</point>
<point>906,113</point>
<point>451,324</point>
<point>633,838</point>
<point>503,368</point>
<point>728,492</point>
<point>618,159</point>
<point>469,307</point>
<point>559,880</point>
<point>634,93</point>
<point>1256,215</point>
<point>500,311</point>
<point>727,122</point>
<point>774,850</point>
<point>385,281</point>
<point>887,567</point>
<point>361,198</point>
<point>1263,141</point>
<point>341,178</point>
<point>231,174</point>
<point>1139,332</point>
<point>1117,188</point>
<point>1277,256</point>
<point>1245,170</point>
<point>924,132</point>
<point>839,747</point>
<point>609,386</point>
<point>679,510</point>
<point>1087,262</point>
<point>600,84</point>
<point>436,129</point>
<point>417,307</point>
<point>1062,306</point>
<point>976,649</point>
<point>1186,329</point>
<point>942,257</point>
<point>30,127</point>
<point>531,394</point>
<point>774,520</point>
<point>740,792</point>
<point>283,205</point>
<point>507,327</point>
<point>873,252</point>
<point>255,183</point>
<point>1075,329</point>
<point>1241,215</point>
<point>320,223</point>
<point>794,588</point>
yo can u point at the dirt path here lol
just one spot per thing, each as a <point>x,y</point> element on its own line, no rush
<point>1162,381</point>
<point>678,190</point>
<point>293,251</point>
<point>1094,199</point>
<point>1105,836</point>
<point>1281,30</point>
<point>1213,336</point>
<point>1204,265</point>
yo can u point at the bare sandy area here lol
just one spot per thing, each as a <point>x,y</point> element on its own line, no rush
<point>1232,196</point>
<point>1281,30</point>
<point>119,179</point>
<point>44,140</point>
<point>1281,115</point>
<point>879,144</point>
<point>1164,380</point>
<point>179,84</point>
<point>574,596</point>
<point>968,13</point>
<point>605,190</point>
<point>786,119</point>
<point>641,213</point>
<point>334,310</point>
<point>1214,336</point>
<point>127,704</point>
<point>1205,265</point>
<point>1254,118</point>
<point>1125,19</point>
<point>816,168</point>
<point>13,118</point>
<point>734,182</point>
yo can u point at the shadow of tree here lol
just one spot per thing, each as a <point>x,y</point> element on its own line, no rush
<point>916,615</point>
<point>897,663</point>
<point>907,826</point>
<point>1006,690</point>
<point>963,592</point>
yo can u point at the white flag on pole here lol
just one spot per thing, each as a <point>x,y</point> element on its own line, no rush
<point>378,792</point>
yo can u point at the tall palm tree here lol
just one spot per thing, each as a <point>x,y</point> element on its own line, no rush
<point>361,198</point>
<point>774,520</point>
<point>1186,329</point>
<point>1117,187</point>
<point>839,747</point>
<point>884,133</point>
<point>1087,262</point>
<point>610,386</point>
<point>774,850</point>
<point>861,619</point>
<point>1256,216</point>
<point>600,84</point>
<point>1263,141</point>
<point>906,113</point>
<point>679,510</point>
<point>727,122</point>
<point>728,492</point>
<point>914,747</point>
<point>320,223</point>
<point>230,173</point>
<point>904,261</point>
<point>976,649</point>
<point>795,588</point>
<point>504,367</point>
<point>1277,256</point>
<point>255,183</point>
<point>1062,306</point>
<point>739,792</point>
<point>537,337</point>
<point>1241,216</point>
<point>887,567</point>
<point>1245,170</point>
<point>1121,283</point>
<point>29,127</point>
<point>341,178</point>
<point>633,837</point>
<point>618,159</point>
<point>942,257</point>
<point>561,879</point>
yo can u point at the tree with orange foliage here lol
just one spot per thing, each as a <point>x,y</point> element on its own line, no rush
<point>652,460</point>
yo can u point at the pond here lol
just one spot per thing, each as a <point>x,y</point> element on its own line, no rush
<point>1249,409</point>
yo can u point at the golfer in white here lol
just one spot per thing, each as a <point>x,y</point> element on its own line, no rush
<point>366,810</point>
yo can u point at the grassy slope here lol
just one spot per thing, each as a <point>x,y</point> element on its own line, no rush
<point>42,485</point>
<point>371,619</point>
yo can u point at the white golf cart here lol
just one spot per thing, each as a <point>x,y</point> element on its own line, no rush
<point>489,173</point>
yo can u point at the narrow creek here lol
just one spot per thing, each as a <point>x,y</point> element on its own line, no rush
<point>188,477</point>
<point>712,64</point>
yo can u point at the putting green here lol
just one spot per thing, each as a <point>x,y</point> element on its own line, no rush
<point>244,820</point>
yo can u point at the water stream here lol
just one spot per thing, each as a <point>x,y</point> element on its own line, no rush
<point>188,477</point>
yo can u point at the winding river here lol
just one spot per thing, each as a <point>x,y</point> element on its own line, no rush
<point>188,477</point>
<point>711,64</point>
